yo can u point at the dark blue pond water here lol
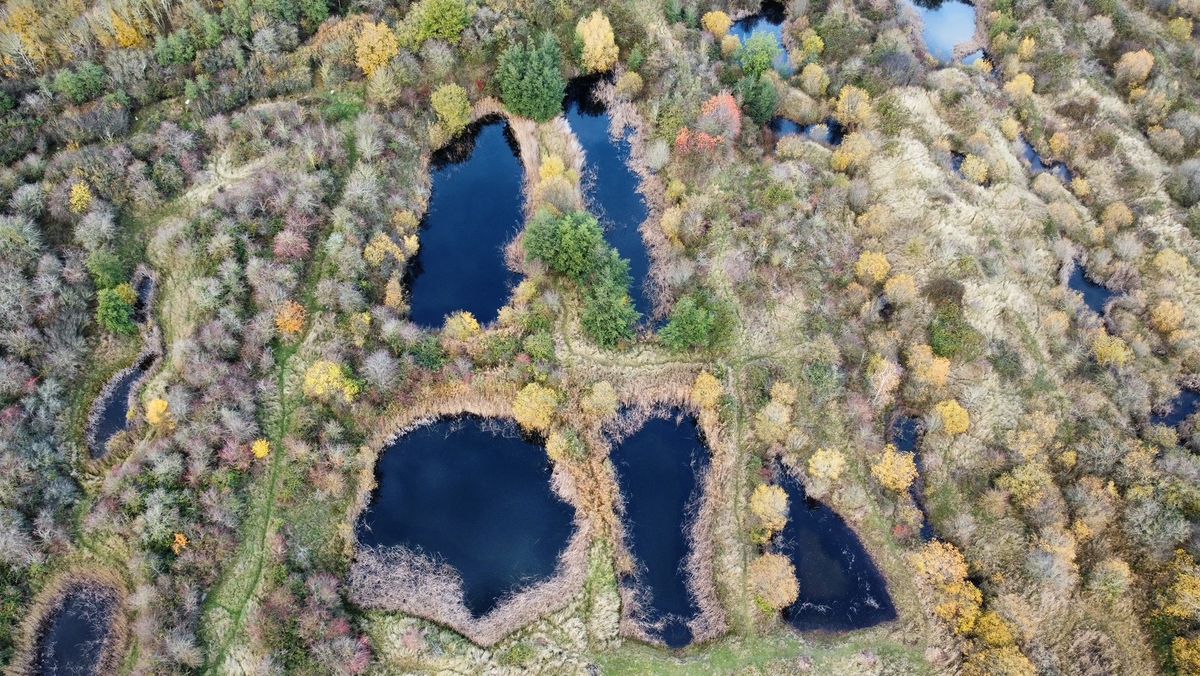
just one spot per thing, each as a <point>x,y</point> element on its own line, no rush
<point>73,638</point>
<point>115,411</point>
<point>610,185</point>
<point>840,587</point>
<point>768,20</point>
<point>946,24</point>
<point>658,470</point>
<point>1037,166</point>
<point>830,132</point>
<point>906,437</point>
<point>1182,407</point>
<point>474,210</point>
<point>1094,295</point>
<point>476,496</point>
<point>144,287</point>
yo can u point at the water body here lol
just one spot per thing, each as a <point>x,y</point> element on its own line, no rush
<point>1182,408</point>
<point>946,24</point>
<point>610,185</point>
<point>145,287</point>
<point>73,637</point>
<point>1037,165</point>
<point>1095,296</point>
<point>840,587</point>
<point>115,412</point>
<point>658,470</point>
<point>476,496</point>
<point>769,19</point>
<point>830,132</point>
<point>906,437</point>
<point>474,210</point>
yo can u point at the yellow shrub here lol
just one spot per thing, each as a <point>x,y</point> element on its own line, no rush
<point>1081,187</point>
<point>393,293</point>
<point>1060,143</point>
<point>1133,68</point>
<point>1020,87</point>
<point>1167,316</point>
<point>179,543</point>
<point>769,505</point>
<point>852,154</point>
<point>729,45</point>
<point>552,167</point>
<point>975,168</point>
<point>955,419</point>
<point>993,630</point>
<point>599,47</point>
<point>940,563</point>
<point>894,470</point>
<point>1110,350</point>
<point>853,107</point>
<point>602,401</point>
<point>1172,263</point>
<point>826,464</point>
<point>1116,216</point>
<point>773,581</point>
<point>461,326</point>
<point>875,221</point>
<point>1185,653</point>
<point>717,23</point>
<point>813,80</point>
<point>926,367</point>
<point>1180,29</point>
<point>812,44</point>
<point>900,289</point>
<point>630,84</point>
<point>327,379</point>
<point>1005,661</point>
<point>261,448</point>
<point>374,47</point>
<point>534,407</point>
<point>81,197</point>
<point>1010,128</point>
<point>872,267</point>
<point>158,414</point>
<point>706,390</point>
<point>1026,49</point>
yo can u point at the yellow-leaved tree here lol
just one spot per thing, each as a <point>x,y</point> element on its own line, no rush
<point>716,23</point>
<point>534,407</point>
<point>894,470</point>
<point>261,448</point>
<point>374,47</point>
<point>769,505</point>
<point>158,414</point>
<point>773,581</point>
<point>706,390</point>
<point>954,418</point>
<point>328,380</point>
<point>599,53</point>
<point>81,197</point>
<point>289,318</point>
<point>461,326</point>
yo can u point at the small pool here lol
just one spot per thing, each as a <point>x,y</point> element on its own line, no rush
<point>1095,296</point>
<point>1182,408</point>
<point>1036,166</point>
<point>114,412</point>
<point>830,132</point>
<point>144,289</point>
<point>906,437</point>
<point>610,186</point>
<point>945,25</point>
<point>74,636</point>
<point>840,587</point>
<point>659,470</point>
<point>475,209</point>
<point>473,494</point>
<point>769,19</point>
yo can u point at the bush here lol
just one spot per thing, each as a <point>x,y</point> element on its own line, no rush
<point>951,336</point>
<point>452,107</point>
<point>1184,184</point>
<point>534,407</point>
<point>83,84</point>
<point>758,54</point>
<point>114,309</point>
<point>570,245</point>
<point>698,321</point>
<point>106,268</point>
<point>531,81</point>
<point>773,579</point>
<point>717,23</point>
<point>374,47</point>
<point>599,49</point>
<point>895,471</point>
<point>608,313</point>
<point>759,98</point>
<point>438,20</point>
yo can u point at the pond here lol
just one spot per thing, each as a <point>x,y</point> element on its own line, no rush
<point>610,185</point>
<point>74,636</point>
<point>114,412</point>
<point>475,495</point>
<point>945,25</point>
<point>840,587</point>
<point>769,20</point>
<point>1181,408</point>
<point>659,471</point>
<point>144,289</point>
<point>906,437</point>
<point>475,209</point>
<point>830,132</point>
<point>1037,166</point>
<point>1096,296</point>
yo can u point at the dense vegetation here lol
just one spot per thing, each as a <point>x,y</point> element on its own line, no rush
<point>268,163</point>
